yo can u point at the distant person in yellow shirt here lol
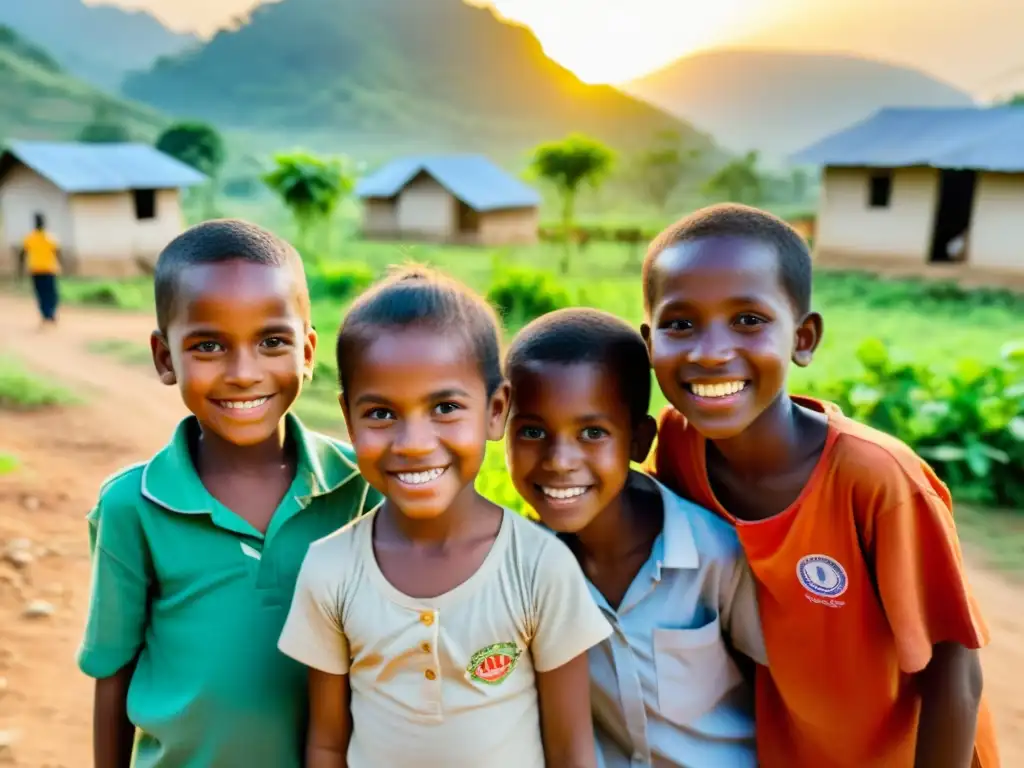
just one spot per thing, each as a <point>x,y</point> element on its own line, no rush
<point>40,252</point>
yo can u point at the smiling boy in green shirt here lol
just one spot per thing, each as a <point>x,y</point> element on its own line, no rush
<point>196,552</point>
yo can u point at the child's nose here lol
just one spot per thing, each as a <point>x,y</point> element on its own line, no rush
<point>713,348</point>
<point>562,457</point>
<point>415,438</point>
<point>243,369</point>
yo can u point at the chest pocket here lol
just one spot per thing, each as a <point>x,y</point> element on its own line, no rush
<point>694,671</point>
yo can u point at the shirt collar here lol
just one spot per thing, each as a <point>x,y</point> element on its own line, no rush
<point>676,546</point>
<point>171,481</point>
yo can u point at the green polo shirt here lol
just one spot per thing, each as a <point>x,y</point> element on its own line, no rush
<point>201,596</point>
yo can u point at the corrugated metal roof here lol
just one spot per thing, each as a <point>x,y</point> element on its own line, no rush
<point>473,179</point>
<point>969,138</point>
<point>104,167</point>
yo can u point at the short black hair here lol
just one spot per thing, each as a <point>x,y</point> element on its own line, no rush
<point>415,296</point>
<point>734,220</point>
<point>582,335</point>
<point>40,221</point>
<point>217,241</point>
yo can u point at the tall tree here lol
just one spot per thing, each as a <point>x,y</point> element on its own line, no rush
<point>311,187</point>
<point>567,165</point>
<point>200,146</point>
<point>738,181</point>
<point>662,167</point>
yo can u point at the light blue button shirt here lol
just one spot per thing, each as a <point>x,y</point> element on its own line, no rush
<point>666,688</point>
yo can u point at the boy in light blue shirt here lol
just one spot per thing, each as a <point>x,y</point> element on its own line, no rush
<point>672,685</point>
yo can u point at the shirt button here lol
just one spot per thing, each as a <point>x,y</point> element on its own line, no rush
<point>425,647</point>
<point>430,674</point>
<point>427,617</point>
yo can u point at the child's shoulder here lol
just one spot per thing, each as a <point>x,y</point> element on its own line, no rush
<point>346,542</point>
<point>686,521</point>
<point>872,463</point>
<point>123,489</point>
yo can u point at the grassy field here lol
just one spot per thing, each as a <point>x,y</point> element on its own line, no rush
<point>931,322</point>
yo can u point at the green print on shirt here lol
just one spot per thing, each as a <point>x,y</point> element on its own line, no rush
<point>491,665</point>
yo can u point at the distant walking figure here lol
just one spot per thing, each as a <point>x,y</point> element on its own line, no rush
<point>40,252</point>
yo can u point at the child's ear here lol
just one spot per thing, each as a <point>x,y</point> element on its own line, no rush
<point>499,411</point>
<point>808,337</point>
<point>645,331</point>
<point>643,438</point>
<point>309,354</point>
<point>162,359</point>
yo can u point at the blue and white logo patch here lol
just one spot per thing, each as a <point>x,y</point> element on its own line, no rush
<point>822,575</point>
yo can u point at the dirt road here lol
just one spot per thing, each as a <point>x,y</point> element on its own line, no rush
<point>45,703</point>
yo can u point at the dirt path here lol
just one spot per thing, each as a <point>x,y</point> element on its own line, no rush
<point>45,703</point>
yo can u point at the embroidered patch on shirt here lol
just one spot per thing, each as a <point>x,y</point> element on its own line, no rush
<point>491,665</point>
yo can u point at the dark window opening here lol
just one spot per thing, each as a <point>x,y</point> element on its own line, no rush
<point>145,204</point>
<point>880,192</point>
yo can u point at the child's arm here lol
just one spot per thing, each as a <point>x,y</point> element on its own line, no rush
<point>330,724</point>
<point>950,696</point>
<point>741,621</point>
<point>934,618</point>
<point>563,696</point>
<point>118,606</point>
<point>113,733</point>
<point>567,623</point>
<point>313,635</point>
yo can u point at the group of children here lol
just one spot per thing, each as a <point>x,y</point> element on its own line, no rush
<point>773,585</point>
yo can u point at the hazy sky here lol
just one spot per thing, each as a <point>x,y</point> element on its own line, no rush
<point>972,43</point>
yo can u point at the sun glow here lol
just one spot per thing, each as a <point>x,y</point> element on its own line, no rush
<point>612,41</point>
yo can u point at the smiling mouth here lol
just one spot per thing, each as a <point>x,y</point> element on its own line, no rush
<point>565,495</point>
<point>717,390</point>
<point>243,405</point>
<point>420,478</point>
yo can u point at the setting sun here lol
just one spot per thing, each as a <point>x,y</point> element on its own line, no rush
<point>611,41</point>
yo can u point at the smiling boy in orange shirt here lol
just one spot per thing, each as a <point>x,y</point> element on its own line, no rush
<point>871,630</point>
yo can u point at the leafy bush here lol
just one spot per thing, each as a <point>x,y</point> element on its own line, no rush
<point>969,423</point>
<point>342,280</point>
<point>522,294</point>
<point>20,390</point>
<point>108,293</point>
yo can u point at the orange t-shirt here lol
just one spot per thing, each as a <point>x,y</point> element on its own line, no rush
<point>856,580</point>
<point>41,253</point>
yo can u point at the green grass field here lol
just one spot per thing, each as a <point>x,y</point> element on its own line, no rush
<point>931,323</point>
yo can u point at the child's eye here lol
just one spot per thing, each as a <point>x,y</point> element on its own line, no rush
<point>275,342</point>
<point>593,433</point>
<point>206,347</point>
<point>531,433</point>
<point>445,409</point>
<point>379,414</point>
<point>749,320</point>
<point>677,325</point>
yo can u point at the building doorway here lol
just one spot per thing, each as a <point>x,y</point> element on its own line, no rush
<point>953,216</point>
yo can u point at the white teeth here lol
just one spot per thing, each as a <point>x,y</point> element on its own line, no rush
<point>243,405</point>
<point>564,493</point>
<point>718,390</point>
<point>420,478</point>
